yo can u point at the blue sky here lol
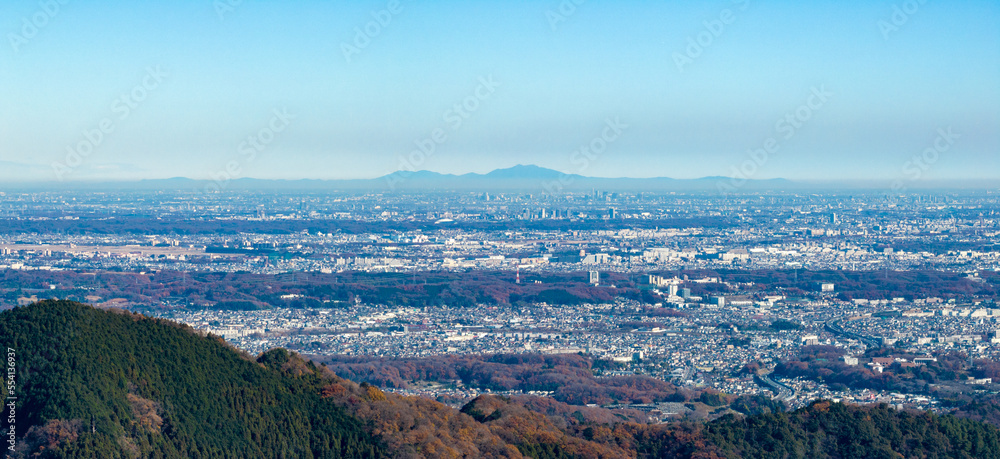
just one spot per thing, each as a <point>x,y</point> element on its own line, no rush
<point>265,90</point>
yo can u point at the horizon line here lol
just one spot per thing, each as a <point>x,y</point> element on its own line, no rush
<point>919,182</point>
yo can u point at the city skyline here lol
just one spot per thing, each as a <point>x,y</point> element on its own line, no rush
<point>884,92</point>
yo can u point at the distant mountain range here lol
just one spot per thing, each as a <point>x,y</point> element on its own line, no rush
<point>520,178</point>
<point>531,177</point>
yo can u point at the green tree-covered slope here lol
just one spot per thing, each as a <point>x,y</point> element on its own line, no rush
<point>92,383</point>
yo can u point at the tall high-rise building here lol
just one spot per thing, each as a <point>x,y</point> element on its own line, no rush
<point>595,277</point>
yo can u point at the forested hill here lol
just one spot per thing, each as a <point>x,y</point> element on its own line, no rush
<point>100,384</point>
<point>92,383</point>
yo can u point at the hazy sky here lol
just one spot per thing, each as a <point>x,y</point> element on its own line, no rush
<point>322,89</point>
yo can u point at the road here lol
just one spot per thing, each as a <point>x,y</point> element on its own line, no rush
<point>784,393</point>
<point>834,327</point>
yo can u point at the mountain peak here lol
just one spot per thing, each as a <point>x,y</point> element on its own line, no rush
<point>522,171</point>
